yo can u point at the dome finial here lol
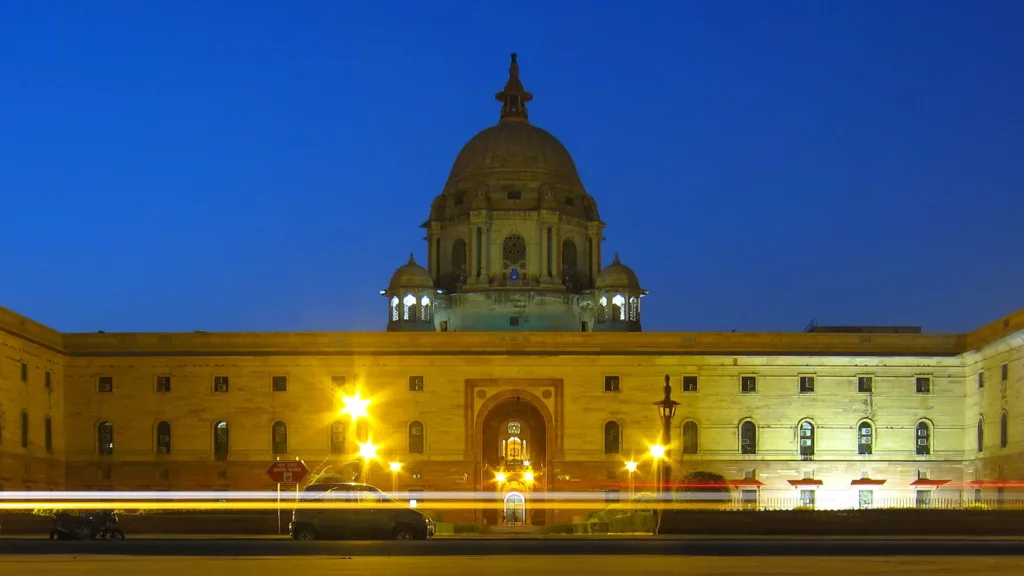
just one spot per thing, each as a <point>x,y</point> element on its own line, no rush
<point>514,97</point>
<point>616,259</point>
<point>412,260</point>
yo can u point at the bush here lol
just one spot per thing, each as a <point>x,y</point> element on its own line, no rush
<point>559,529</point>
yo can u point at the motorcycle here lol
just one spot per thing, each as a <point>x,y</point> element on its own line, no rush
<point>99,525</point>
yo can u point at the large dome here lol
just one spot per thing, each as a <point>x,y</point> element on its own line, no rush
<point>514,165</point>
<point>514,151</point>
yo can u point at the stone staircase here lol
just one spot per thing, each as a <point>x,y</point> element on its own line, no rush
<point>513,530</point>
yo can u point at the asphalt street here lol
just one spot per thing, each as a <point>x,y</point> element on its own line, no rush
<point>60,565</point>
<point>239,548</point>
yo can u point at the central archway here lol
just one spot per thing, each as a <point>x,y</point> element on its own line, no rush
<point>513,453</point>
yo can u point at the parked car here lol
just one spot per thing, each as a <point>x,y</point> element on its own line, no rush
<point>377,516</point>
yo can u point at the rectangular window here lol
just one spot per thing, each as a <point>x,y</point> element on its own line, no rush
<point>689,383</point>
<point>748,498</point>
<point>514,194</point>
<point>977,495</point>
<point>864,384</point>
<point>924,385</point>
<point>416,383</point>
<point>807,498</point>
<point>611,384</point>
<point>105,384</point>
<point>163,384</point>
<point>279,383</point>
<point>748,384</point>
<point>1005,372</point>
<point>513,320</point>
<point>865,498</point>
<point>981,379</point>
<point>24,372</point>
<point>47,378</point>
<point>220,384</point>
<point>924,498</point>
<point>806,384</point>
<point>337,382</point>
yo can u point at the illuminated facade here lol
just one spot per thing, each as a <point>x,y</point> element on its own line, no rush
<point>514,363</point>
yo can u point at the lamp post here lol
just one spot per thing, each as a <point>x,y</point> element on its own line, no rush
<point>395,468</point>
<point>667,411</point>
<point>630,470</point>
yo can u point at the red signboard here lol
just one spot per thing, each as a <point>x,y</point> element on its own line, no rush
<point>287,471</point>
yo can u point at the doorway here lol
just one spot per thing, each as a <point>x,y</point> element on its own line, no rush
<point>514,510</point>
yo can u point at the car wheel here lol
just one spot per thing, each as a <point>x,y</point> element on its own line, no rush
<point>116,534</point>
<point>304,533</point>
<point>54,535</point>
<point>403,532</point>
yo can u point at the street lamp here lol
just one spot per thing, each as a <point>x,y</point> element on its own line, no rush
<point>630,470</point>
<point>367,452</point>
<point>395,468</point>
<point>667,411</point>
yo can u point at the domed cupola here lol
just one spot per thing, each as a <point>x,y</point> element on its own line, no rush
<point>617,292</point>
<point>410,297</point>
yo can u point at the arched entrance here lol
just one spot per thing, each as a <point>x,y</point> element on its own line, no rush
<point>514,453</point>
<point>514,509</point>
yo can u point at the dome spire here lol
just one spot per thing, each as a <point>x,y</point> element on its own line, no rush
<point>514,97</point>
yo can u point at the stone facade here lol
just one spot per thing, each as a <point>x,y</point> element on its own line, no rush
<point>578,383</point>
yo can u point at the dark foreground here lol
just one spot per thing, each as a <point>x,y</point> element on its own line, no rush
<point>236,548</point>
<point>106,565</point>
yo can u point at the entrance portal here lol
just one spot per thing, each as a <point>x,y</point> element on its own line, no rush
<point>514,439</point>
<point>514,509</point>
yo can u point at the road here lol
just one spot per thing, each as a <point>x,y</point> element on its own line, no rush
<point>593,565</point>
<point>477,547</point>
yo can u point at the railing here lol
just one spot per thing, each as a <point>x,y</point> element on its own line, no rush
<point>697,502</point>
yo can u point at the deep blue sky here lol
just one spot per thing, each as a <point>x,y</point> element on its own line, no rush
<point>258,165</point>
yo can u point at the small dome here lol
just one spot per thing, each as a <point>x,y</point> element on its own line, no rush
<point>411,275</point>
<point>617,275</point>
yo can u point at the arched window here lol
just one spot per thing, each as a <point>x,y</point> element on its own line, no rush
<point>806,439</point>
<point>981,434</point>
<point>394,308</point>
<point>105,438</point>
<point>690,443</point>
<point>48,434</point>
<point>416,437</point>
<point>24,429</point>
<point>459,259</point>
<point>634,308</point>
<point>163,438</point>
<point>221,441</point>
<point>865,438</point>
<point>748,437</point>
<point>425,309</point>
<point>618,307</point>
<point>279,440</point>
<point>513,252</point>
<point>923,438</point>
<point>612,437</point>
<point>1004,431</point>
<point>338,431</point>
<point>409,307</point>
<point>602,309</point>
<point>570,266</point>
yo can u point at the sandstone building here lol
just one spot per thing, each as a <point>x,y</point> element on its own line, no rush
<point>514,362</point>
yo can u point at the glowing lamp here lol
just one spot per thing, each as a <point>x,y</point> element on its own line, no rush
<point>657,452</point>
<point>355,406</point>
<point>528,476</point>
<point>395,466</point>
<point>500,477</point>
<point>631,466</point>
<point>367,451</point>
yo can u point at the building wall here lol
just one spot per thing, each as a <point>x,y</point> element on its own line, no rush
<point>35,466</point>
<point>563,373</point>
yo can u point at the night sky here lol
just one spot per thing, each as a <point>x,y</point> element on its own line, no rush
<point>265,165</point>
